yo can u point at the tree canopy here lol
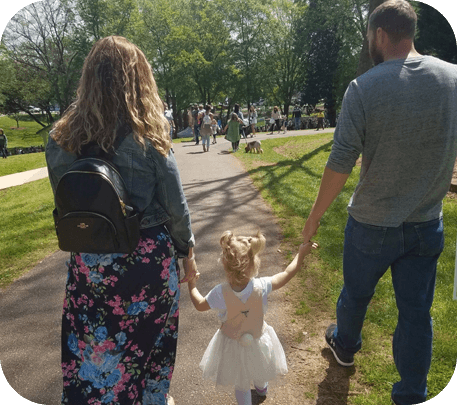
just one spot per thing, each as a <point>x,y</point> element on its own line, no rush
<point>202,51</point>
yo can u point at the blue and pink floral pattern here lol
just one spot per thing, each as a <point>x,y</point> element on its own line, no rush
<point>120,324</point>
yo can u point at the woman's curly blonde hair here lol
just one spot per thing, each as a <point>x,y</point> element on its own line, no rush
<point>240,256</point>
<point>116,87</point>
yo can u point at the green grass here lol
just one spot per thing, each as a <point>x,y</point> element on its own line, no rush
<point>22,163</point>
<point>22,138</point>
<point>288,176</point>
<point>27,233</point>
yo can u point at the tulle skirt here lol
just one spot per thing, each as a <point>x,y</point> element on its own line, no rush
<point>229,364</point>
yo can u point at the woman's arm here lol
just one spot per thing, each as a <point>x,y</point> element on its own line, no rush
<point>170,196</point>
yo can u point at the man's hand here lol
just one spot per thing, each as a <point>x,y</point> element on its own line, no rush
<point>310,229</point>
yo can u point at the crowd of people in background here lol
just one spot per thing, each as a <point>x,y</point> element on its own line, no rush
<point>214,125</point>
<point>247,126</point>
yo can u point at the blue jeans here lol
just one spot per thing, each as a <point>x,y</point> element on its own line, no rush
<point>411,251</point>
<point>196,133</point>
<point>205,140</point>
<point>297,123</point>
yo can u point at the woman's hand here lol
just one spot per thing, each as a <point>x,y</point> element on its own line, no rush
<point>190,269</point>
<point>192,281</point>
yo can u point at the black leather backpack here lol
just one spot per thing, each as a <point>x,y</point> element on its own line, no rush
<point>93,212</point>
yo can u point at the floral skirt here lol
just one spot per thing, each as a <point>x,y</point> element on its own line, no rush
<point>120,324</point>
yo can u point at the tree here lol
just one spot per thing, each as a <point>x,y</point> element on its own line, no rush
<point>21,87</point>
<point>286,74</point>
<point>365,62</point>
<point>250,46</point>
<point>329,35</point>
<point>18,97</point>
<point>434,34</point>
<point>39,38</point>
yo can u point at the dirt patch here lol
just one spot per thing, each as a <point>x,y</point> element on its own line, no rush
<point>261,163</point>
<point>314,377</point>
<point>17,129</point>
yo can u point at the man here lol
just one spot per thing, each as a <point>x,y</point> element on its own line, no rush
<point>297,117</point>
<point>3,144</point>
<point>402,116</point>
<point>195,112</point>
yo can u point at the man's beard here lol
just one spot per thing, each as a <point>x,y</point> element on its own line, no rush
<point>375,54</point>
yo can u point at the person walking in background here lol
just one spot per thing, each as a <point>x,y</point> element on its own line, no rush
<point>120,314</point>
<point>195,113</point>
<point>232,130</point>
<point>296,113</point>
<point>320,119</point>
<point>245,349</point>
<point>276,116</point>
<point>395,214</point>
<point>206,129</point>
<point>3,144</point>
<point>215,128</point>
<point>190,121</point>
<point>253,119</point>
<point>169,116</point>
<point>240,115</point>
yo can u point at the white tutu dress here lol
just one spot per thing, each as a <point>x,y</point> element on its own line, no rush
<point>245,349</point>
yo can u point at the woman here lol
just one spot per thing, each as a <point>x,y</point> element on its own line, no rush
<point>120,315</point>
<point>239,113</point>
<point>275,115</point>
<point>206,129</point>
<point>253,119</point>
<point>232,129</point>
<point>169,116</point>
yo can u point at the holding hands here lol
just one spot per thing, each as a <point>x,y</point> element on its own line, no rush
<point>305,248</point>
<point>310,229</point>
<point>190,269</point>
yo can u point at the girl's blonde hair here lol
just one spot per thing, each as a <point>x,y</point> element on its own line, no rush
<point>240,256</point>
<point>234,117</point>
<point>116,87</point>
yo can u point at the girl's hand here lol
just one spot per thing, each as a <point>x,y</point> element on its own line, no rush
<point>305,248</point>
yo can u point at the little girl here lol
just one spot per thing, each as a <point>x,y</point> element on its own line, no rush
<point>245,348</point>
<point>215,128</point>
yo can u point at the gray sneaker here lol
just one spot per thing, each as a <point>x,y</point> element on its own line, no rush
<point>344,359</point>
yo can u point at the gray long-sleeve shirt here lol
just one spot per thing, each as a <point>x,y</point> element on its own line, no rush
<point>402,116</point>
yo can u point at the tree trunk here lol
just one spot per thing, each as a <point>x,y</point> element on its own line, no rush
<point>365,62</point>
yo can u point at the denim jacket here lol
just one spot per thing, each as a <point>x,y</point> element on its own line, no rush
<point>152,181</point>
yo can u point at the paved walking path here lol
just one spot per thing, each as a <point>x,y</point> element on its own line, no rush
<point>17,179</point>
<point>221,196</point>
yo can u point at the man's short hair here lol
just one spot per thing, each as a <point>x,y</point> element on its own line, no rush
<point>397,18</point>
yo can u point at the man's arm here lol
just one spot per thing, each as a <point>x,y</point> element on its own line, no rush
<point>331,185</point>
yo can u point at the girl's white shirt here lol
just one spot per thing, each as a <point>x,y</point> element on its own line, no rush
<point>216,301</point>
